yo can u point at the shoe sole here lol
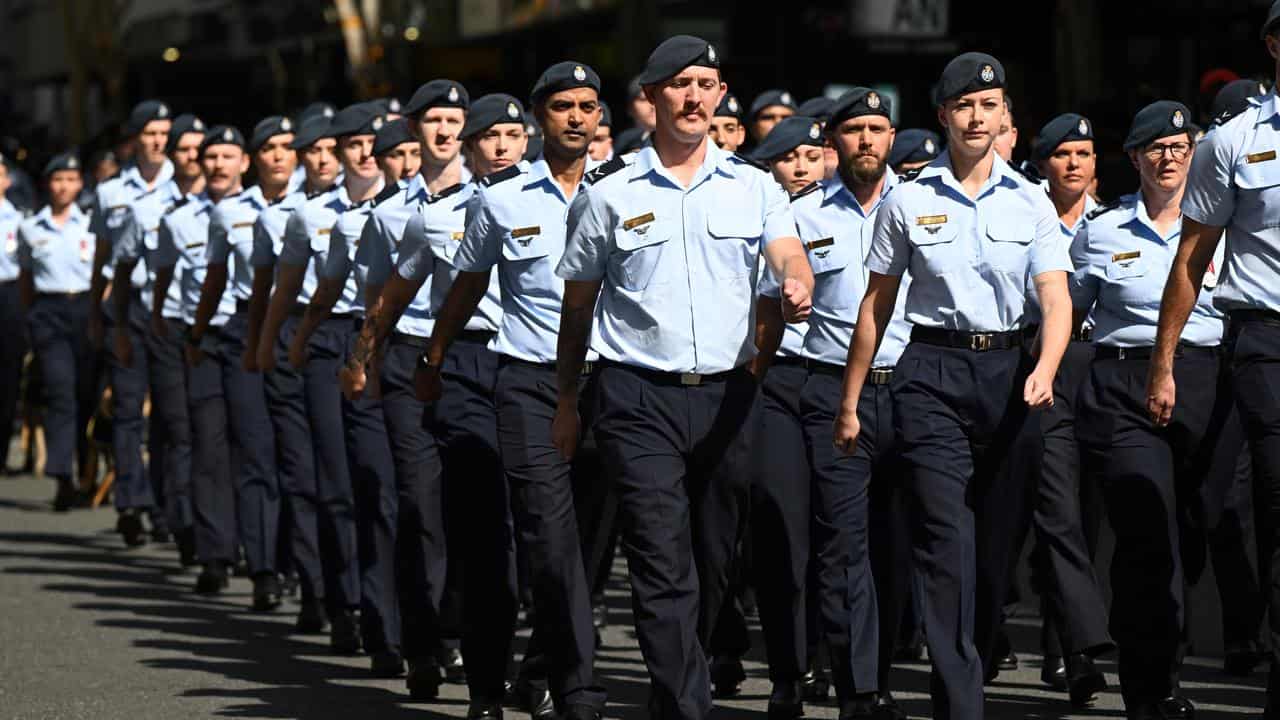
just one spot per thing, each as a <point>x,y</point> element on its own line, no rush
<point>1084,691</point>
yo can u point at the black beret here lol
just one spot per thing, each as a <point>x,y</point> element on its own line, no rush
<point>392,135</point>
<point>970,72</point>
<point>629,140</point>
<point>531,125</point>
<point>606,115</point>
<point>634,88</point>
<point>858,102</point>
<point>437,93</point>
<point>675,54</point>
<point>914,145</point>
<point>268,128</point>
<point>183,124</point>
<point>389,105</point>
<point>771,97</point>
<point>62,161</point>
<point>1234,97</point>
<point>143,113</point>
<point>729,107</point>
<point>1273,18</point>
<point>222,135</point>
<point>316,109</point>
<point>565,75</point>
<point>491,110</point>
<point>360,119</point>
<point>819,107</point>
<point>789,134</point>
<point>309,131</point>
<point>1159,119</point>
<point>1067,127</point>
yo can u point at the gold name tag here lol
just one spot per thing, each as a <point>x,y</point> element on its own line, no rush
<point>239,225</point>
<point>154,229</point>
<point>194,245</point>
<point>931,219</point>
<point>456,235</point>
<point>815,244</point>
<point>114,208</point>
<point>1261,157</point>
<point>1118,257</point>
<point>637,220</point>
<point>324,231</point>
<point>526,231</point>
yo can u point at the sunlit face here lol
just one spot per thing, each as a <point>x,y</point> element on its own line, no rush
<point>1007,137</point>
<point>569,119</point>
<point>497,148</point>
<point>727,133</point>
<point>972,121</point>
<point>602,144</point>
<point>1164,162</point>
<point>1071,168</point>
<point>64,187</point>
<point>274,161</point>
<point>685,103</point>
<point>769,116</point>
<point>438,129</point>
<point>356,154</point>
<point>224,164</point>
<point>320,161</point>
<point>799,168</point>
<point>5,180</point>
<point>149,148</point>
<point>186,156</point>
<point>642,112</point>
<point>862,146</point>
<point>401,162</point>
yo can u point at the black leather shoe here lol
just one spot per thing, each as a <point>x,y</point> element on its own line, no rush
<point>289,584</point>
<point>312,617</point>
<point>455,670</point>
<point>344,633</point>
<point>1176,708</point>
<point>159,526</point>
<point>480,710</point>
<point>1241,659</point>
<point>386,664</point>
<point>600,616</point>
<point>726,676</point>
<point>266,592</point>
<point>862,708</point>
<point>186,547</point>
<point>423,680</point>
<point>540,705</point>
<point>581,712</point>
<point>887,708</point>
<point>1009,661</point>
<point>213,578</point>
<point>814,686</point>
<point>784,702</point>
<point>1142,711</point>
<point>66,496</point>
<point>1053,672</point>
<point>1084,680</point>
<point>129,525</point>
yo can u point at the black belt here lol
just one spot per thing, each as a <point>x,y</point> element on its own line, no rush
<point>1110,352</point>
<point>413,341</point>
<point>790,362</point>
<point>61,295</point>
<point>1269,317</point>
<point>476,336</point>
<point>242,306</point>
<point>300,309</point>
<point>587,366</point>
<point>875,376</point>
<point>1084,334</point>
<point>975,341</point>
<point>663,377</point>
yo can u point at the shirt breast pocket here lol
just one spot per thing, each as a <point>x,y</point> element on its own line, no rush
<point>829,257</point>
<point>1010,246</point>
<point>1122,271</point>
<point>937,245</point>
<point>734,237</point>
<point>639,252</point>
<point>523,249</point>
<point>445,242</point>
<point>1259,184</point>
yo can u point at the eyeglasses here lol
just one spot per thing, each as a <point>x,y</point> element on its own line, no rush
<point>1178,151</point>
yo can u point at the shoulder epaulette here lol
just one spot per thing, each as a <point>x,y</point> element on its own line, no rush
<point>387,193</point>
<point>181,201</point>
<point>1102,209</point>
<point>604,170</point>
<point>750,161</point>
<point>1027,171</point>
<point>453,189</point>
<point>806,190</point>
<point>505,174</point>
<point>912,174</point>
<point>318,193</point>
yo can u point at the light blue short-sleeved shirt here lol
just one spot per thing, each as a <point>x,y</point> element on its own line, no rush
<point>792,345</point>
<point>381,241</point>
<point>268,235</point>
<point>516,220</point>
<point>183,244</point>
<point>679,265</point>
<point>112,203</point>
<point>10,219</point>
<point>1068,233</point>
<point>138,239</point>
<point>60,259</point>
<point>1234,183</point>
<point>306,238</point>
<point>970,260</point>
<point>334,262</point>
<point>1122,264</point>
<point>231,238</point>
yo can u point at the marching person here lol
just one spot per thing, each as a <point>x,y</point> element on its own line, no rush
<point>768,109</point>
<point>726,128</point>
<point>970,230</point>
<point>1122,255</point>
<point>12,314</point>
<point>670,243</point>
<point>55,261</point>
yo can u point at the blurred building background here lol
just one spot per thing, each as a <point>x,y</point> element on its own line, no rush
<point>70,69</point>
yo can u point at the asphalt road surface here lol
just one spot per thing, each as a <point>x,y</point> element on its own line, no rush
<point>91,630</point>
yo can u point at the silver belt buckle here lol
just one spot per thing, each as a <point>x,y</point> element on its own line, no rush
<point>980,343</point>
<point>1120,353</point>
<point>587,368</point>
<point>690,379</point>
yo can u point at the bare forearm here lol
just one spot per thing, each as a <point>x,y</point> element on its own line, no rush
<point>98,283</point>
<point>386,304</point>
<point>1055,335</point>
<point>873,318</point>
<point>464,297</point>
<point>160,290</point>
<point>215,283</point>
<point>326,296</point>
<point>288,282</point>
<point>26,289</point>
<point>263,277</point>
<point>571,349</point>
<point>769,331</point>
<point>120,300</point>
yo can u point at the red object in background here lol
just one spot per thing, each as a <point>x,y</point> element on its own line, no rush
<point>1213,80</point>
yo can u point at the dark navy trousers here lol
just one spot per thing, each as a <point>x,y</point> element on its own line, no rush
<point>170,427</point>
<point>59,327</point>
<point>12,352</point>
<point>133,488</point>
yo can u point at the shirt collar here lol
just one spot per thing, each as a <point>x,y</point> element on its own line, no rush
<point>1001,173</point>
<point>133,176</point>
<point>45,216</point>
<point>1268,108</point>
<point>1140,216</point>
<point>1089,206</point>
<point>715,160</point>
<point>834,187</point>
